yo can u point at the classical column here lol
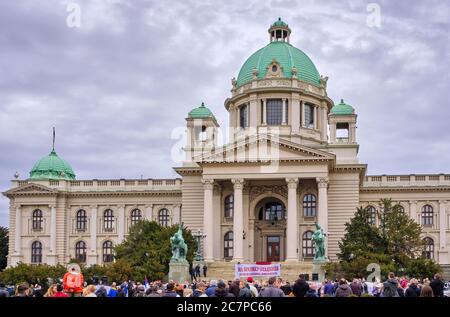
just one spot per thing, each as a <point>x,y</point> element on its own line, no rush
<point>442,224</point>
<point>292,221</point>
<point>413,210</point>
<point>176,214</point>
<point>284,114</point>
<point>238,221</point>
<point>92,256</point>
<point>324,127</point>
<point>149,212</point>
<point>208,220</point>
<point>121,224</point>
<point>322,184</point>
<point>53,229</point>
<point>315,117</point>
<point>264,112</point>
<point>302,114</point>
<point>18,231</point>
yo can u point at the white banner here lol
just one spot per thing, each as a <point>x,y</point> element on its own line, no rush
<point>255,270</point>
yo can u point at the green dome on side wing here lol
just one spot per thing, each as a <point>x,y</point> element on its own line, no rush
<point>52,167</point>
<point>201,112</point>
<point>342,109</point>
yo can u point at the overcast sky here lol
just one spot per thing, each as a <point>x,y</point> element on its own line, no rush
<point>117,86</point>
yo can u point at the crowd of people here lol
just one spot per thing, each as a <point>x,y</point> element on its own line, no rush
<point>272,287</point>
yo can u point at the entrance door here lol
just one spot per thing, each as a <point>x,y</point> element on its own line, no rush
<point>273,248</point>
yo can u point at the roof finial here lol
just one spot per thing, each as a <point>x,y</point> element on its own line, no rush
<point>53,148</point>
<point>203,104</point>
<point>342,101</point>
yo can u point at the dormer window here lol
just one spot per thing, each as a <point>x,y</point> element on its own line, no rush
<point>274,68</point>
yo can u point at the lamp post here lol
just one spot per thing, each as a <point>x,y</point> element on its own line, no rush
<point>198,253</point>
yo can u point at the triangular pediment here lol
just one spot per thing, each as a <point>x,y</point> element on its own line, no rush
<point>263,149</point>
<point>30,188</point>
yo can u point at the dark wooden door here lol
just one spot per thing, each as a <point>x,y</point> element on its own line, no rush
<point>273,248</point>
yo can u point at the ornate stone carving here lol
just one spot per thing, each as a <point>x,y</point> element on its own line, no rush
<point>238,183</point>
<point>323,81</point>
<point>322,182</point>
<point>255,191</point>
<point>292,183</point>
<point>208,183</point>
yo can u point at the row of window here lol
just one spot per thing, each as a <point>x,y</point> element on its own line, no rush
<point>427,215</point>
<point>274,114</point>
<point>274,210</point>
<point>108,219</point>
<point>80,252</point>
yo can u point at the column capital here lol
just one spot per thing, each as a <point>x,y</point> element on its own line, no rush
<point>17,206</point>
<point>177,206</point>
<point>121,206</point>
<point>442,202</point>
<point>292,182</point>
<point>322,182</point>
<point>238,183</point>
<point>208,183</point>
<point>51,206</point>
<point>413,202</point>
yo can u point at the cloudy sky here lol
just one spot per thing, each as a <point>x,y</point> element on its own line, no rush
<point>117,86</point>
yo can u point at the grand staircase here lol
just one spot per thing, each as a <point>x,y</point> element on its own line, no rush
<point>289,271</point>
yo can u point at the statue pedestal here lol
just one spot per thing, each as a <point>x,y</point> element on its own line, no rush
<point>318,269</point>
<point>179,271</point>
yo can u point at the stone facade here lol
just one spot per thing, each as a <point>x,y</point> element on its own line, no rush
<point>290,161</point>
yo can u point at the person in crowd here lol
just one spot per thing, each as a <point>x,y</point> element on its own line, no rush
<point>328,288</point>
<point>101,292</point>
<point>286,288</point>
<point>50,291</point>
<point>200,290</point>
<point>390,286</point>
<point>113,290</point>
<point>73,282</point>
<point>192,273</point>
<point>437,285</point>
<point>312,291</point>
<point>244,290</point>
<point>153,291</point>
<point>221,290</point>
<point>356,287</point>
<point>187,292</point>
<point>197,270</point>
<point>170,290</point>
<point>205,269</point>
<point>89,291</point>
<point>22,290</point>
<point>426,291</point>
<point>300,287</point>
<point>271,290</point>
<point>413,290</point>
<point>210,291</point>
<point>3,291</point>
<point>234,288</point>
<point>59,291</point>
<point>140,291</point>
<point>343,289</point>
<point>400,290</point>
<point>37,291</point>
<point>252,287</point>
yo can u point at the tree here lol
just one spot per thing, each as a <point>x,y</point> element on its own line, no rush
<point>147,249</point>
<point>396,244</point>
<point>3,247</point>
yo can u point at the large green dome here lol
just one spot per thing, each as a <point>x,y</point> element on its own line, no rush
<point>52,167</point>
<point>287,56</point>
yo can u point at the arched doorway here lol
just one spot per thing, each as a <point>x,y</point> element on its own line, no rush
<point>270,229</point>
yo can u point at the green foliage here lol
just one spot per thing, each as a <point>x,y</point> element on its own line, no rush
<point>147,249</point>
<point>395,244</point>
<point>3,247</point>
<point>32,274</point>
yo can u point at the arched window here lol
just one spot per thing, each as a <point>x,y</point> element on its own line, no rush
<point>36,252</point>
<point>309,205</point>
<point>108,220</point>
<point>136,216</point>
<point>229,206</point>
<point>372,218</point>
<point>307,244</point>
<point>272,211</point>
<point>428,251</point>
<point>37,220</point>
<point>427,215</point>
<point>163,217</point>
<point>80,251</point>
<point>228,245</point>
<point>81,220</point>
<point>108,252</point>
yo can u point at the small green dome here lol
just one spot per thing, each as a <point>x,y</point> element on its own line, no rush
<point>279,22</point>
<point>342,109</point>
<point>52,167</point>
<point>201,112</point>
<point>287,56</point>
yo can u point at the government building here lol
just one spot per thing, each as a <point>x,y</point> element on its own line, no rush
<point>291,160</point>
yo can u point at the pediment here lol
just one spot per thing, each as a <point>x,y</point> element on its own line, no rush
<point>263,149</point>
<point>30,189</point>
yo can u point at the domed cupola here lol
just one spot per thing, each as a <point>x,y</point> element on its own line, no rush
<point>52,167</point>
<point>279,31</point>
<point>342,109</point>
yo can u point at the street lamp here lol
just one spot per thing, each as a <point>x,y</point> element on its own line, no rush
<point>198,253</point>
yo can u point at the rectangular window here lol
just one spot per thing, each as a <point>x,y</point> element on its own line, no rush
<point>243,116</point>
<point>274,111</point>
<point>309,116</point>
